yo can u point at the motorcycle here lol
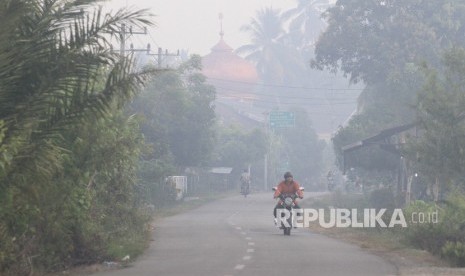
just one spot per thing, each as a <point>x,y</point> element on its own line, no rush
<point>287,201</point>
<point>245,188</point>
<point>331,184</point>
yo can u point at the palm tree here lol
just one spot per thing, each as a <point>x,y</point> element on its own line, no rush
<point>57,70</point>
<point>57,73</point>
<point>276,61</point>
<point>306,22</point>
<point>266,31</point>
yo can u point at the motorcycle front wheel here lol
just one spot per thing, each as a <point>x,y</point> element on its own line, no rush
<point>287,231</point>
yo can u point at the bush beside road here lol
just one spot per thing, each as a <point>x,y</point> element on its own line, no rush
<point>393,244</point>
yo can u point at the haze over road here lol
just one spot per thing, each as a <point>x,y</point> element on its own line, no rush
<point>236,236</point>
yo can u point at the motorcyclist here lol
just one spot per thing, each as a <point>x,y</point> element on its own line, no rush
<point>245,181</point>
<point>287,186</point>
<point>330,178</point>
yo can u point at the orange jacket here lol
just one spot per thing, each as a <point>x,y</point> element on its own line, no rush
<point>290,188</point>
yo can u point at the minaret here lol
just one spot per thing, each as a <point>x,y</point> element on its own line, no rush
<point>220,16</point>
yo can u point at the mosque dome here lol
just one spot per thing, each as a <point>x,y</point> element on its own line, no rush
<point>223,64</point>
<point>235,80</point>
<point>231,74</point>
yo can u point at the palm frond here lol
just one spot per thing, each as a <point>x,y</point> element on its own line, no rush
<point>57,70</point>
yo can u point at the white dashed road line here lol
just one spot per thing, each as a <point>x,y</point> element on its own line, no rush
<point>239,267</point>
<point>249,243</point>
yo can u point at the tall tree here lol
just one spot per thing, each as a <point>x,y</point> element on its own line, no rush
<point>370,40</point>
<point>179,115</point>
<point>58,75</point>
<point>439,151</point>
<point>266,30</point>
<point>238,149</point>
<point>306,22</point>
<point>301,148</point>
<point>54,56</point>
<point>268,49</point>
<point>382,43</point>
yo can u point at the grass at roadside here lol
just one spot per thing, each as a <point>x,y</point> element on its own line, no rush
<point>387,243</point>
<point>136,246</point>
<point>190,203</point>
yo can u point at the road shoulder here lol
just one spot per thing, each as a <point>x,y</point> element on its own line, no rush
<point>407,260</point>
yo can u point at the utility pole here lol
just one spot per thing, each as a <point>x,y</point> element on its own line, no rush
<point>132,50</point>
<point>160,55</point>
<point>265,184</point>
<point>126,32</point>
<point>122,36</point>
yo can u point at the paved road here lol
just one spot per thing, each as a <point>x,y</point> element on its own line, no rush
<point>236,236</point>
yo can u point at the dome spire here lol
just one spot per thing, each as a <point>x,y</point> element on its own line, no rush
<point>220,16</point>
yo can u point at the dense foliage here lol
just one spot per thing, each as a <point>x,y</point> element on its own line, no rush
<point>301,150</point>
<point>68,155</point>
<point>178,123</point>
<point>410,54</point>
<point>384,44</point>
<point>178,114</point>
<point>438,153</point>
<point>372,40</point>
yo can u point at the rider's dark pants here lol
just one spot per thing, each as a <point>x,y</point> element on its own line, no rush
<point>245,187</point>
<point>279,206</point>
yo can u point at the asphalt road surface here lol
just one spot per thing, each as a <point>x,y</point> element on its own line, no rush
<point>237,236</point>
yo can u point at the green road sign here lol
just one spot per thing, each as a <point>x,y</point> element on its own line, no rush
<point>281,119</point>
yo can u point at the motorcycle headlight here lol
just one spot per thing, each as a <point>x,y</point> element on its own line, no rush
<point>288,201</point>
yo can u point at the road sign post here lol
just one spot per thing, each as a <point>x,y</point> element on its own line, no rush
<point>281,119</point>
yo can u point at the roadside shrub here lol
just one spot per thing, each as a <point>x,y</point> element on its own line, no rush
<point>382,198</point>
<point>349,201</point>
<point>429,236</point>
<point>444,237</point>
<point>153,188</point>
<point>454,252</point>
<point>162,194</point>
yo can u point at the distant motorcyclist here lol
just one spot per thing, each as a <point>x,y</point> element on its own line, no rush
<point>287,186</point>
<point>330,178</point>
<point>245,182</point>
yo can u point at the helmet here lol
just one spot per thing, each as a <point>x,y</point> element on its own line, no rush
<point>287,174</point>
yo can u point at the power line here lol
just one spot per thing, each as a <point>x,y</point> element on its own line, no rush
<point>125,32</point>
<point>290,87</point>
<point>297,103</point>
<point>281,96</point>
<point>318,112</point>
<point>153,40</point>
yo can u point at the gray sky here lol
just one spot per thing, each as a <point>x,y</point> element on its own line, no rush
<point>194,24</point>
